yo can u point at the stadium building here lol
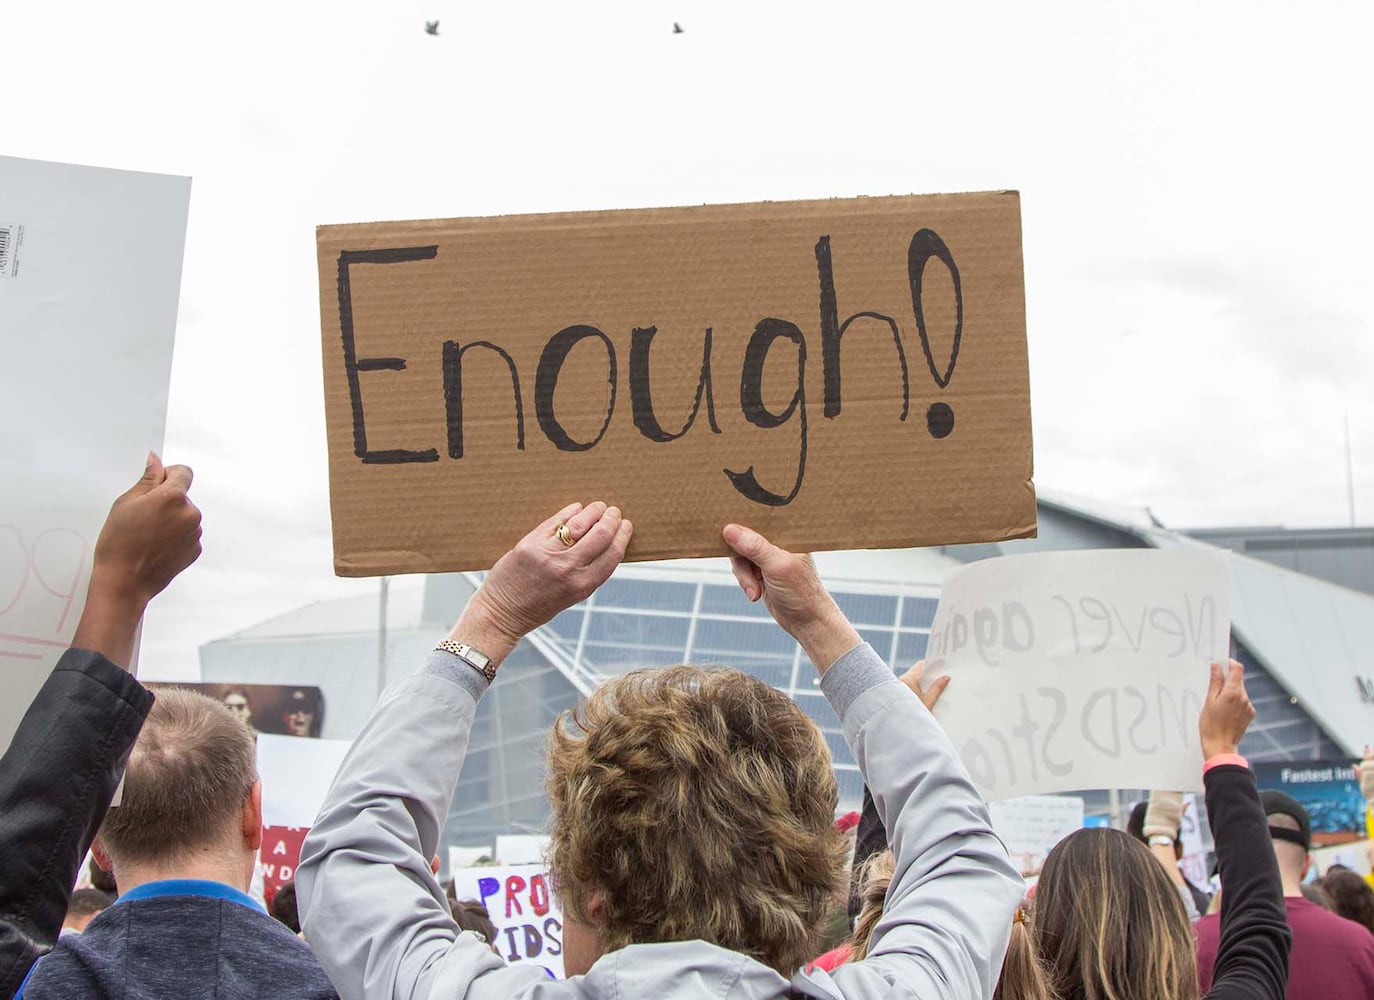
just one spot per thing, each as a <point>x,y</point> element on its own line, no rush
<point>1302,611</point>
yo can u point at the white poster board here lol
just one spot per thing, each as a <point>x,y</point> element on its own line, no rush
<point>1077,670</point>
<point>522,904</point>
<point>90,272</point>
<point>521,848</point>
<point>1196,841</point>
<point>296,774</point>
<point>1030,826</point>
<point>467,855</point>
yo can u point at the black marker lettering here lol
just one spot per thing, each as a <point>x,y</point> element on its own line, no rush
<point>546,379</point>
<point>925,245</point>
<point>758,414</point>
<point>832,330</point>
<point>641,399</point>
<point>453,394</point>
<point>353,364</point>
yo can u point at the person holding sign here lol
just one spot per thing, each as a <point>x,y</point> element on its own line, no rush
<point>694,849</point>
<point>1110,923</point>
<point>61,770</point>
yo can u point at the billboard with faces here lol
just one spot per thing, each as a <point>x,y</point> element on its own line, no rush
<point>279,709</point>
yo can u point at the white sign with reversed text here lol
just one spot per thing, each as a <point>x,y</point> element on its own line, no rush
<point>1079,670</point>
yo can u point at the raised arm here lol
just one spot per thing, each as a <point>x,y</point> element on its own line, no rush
<point>949,909</point>
<point>871,837</point>
<point>370,905</point>
<point>1252,955</point>
<point>66,758</point>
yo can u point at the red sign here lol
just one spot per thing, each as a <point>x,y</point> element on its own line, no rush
<point>281,853</point>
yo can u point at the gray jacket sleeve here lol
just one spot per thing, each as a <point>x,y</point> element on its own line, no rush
<point>370,907</point>
<point>947,919</point>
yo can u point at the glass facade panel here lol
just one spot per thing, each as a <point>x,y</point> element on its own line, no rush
<point>609,658</point>
<point>718,639</point>
<point>719,599</point>
<point>868,609</point>
<point>646,595</point>
<point>778,673</point>
<point>1281,730</point>
<point>880,639</point>
<point>654,631</point>
<point>918,612</point>
<point>568,624</point>
<point>851,784</point>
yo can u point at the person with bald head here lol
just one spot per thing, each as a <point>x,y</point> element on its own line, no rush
<point>181,844</point>
<point>1331,957</point>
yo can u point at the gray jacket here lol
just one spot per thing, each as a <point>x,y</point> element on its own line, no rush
<point>380,925</point>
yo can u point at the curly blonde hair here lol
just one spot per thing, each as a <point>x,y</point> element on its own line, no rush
<point>697,804</point>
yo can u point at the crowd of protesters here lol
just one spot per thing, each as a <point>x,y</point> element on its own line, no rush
<point>693,847</point>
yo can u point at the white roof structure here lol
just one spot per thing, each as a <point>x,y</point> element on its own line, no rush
<point>1314,637</point>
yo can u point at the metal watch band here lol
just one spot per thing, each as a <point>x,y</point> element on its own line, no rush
<point>472,656</point>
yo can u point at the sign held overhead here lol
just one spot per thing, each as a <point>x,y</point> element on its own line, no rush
<point>836,374</point>
<point>1074,670</point>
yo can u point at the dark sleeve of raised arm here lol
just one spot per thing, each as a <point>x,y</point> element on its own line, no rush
<point>870,838</point>
<point>56,781</point>
<point>1252,956</point>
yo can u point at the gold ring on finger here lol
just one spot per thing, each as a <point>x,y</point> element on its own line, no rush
<point>564,534</point>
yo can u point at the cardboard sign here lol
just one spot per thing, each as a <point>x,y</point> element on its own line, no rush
<point>90,275</point>
<point>1330,792</point>
<point>836,374</point>
<point>522,905</point>
<point>1032,825</point>
<point>1078,670</point>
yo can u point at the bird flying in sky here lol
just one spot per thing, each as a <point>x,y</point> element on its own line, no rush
<point>431,27</point>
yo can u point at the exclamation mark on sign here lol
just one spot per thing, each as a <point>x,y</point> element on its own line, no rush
<point>925,245</point>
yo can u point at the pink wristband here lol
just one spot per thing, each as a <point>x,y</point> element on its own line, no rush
<point>1224,758</point>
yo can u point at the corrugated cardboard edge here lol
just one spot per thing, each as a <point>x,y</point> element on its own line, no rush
<point>403,562</point>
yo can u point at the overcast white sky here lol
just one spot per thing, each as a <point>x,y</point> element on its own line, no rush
<point>1195,183</point>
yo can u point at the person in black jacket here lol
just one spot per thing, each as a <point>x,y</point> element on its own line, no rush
<point>66,758</point>
<point>1110,923</point>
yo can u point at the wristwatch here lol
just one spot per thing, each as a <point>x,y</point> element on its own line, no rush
<point>472,656</point>
<point>1161,840</point>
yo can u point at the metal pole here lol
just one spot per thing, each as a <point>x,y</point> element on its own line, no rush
<point>381,634</point>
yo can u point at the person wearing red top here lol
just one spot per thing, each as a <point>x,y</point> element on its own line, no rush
<point>1331,957</point>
